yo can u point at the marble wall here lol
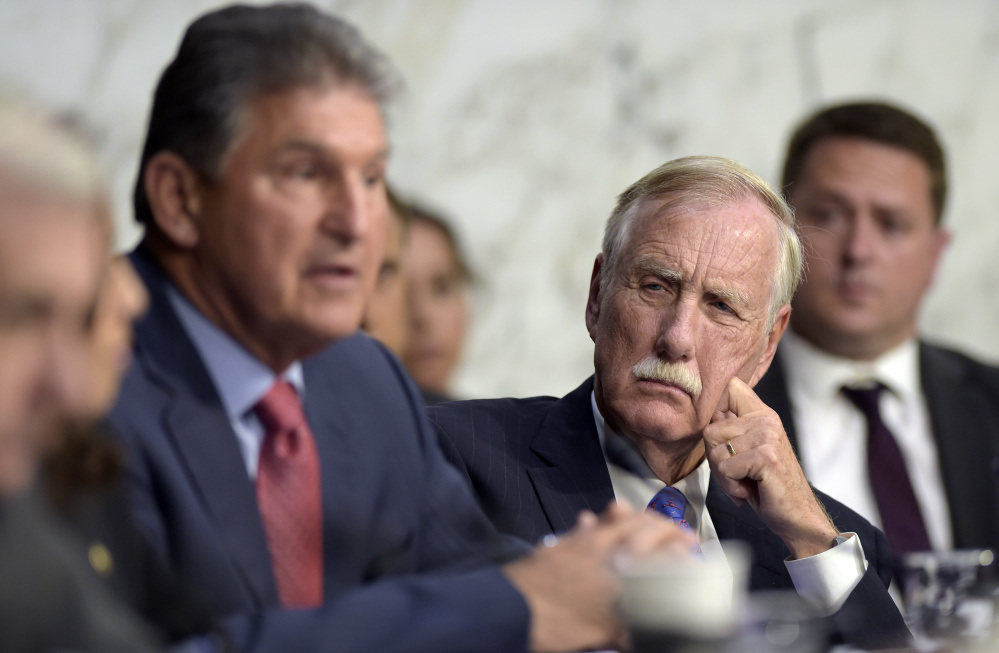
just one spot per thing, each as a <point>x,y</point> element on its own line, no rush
<point>524,118</point>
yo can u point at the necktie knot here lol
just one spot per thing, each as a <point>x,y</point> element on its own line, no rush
<point>866,399</point>
<point>280,409</point>
<point>670,502</point>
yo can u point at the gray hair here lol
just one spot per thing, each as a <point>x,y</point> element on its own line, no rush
<point>713,180</point>
<point>232,55</point>
<point>43,156</point>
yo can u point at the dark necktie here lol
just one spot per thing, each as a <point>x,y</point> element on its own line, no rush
<point>901,519</point>
<point>671,503</point>
<point>289,497</point>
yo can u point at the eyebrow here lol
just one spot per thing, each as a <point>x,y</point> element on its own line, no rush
<point>729,295</point>
<point>647,266</point>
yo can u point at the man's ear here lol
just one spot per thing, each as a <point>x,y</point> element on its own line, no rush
<point>174,193</point>
<point>593,299</point>
<point>780,325</point>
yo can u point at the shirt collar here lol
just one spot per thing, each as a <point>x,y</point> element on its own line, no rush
<point>820,375</point>
<point>239,377</point>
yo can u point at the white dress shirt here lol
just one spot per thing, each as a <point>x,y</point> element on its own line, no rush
<point>824,581</point>
<point>832,432</point>
<point>240,379</point>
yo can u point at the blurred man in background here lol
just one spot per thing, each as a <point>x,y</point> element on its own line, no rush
<point>54,240</point>
<point>903,431</point>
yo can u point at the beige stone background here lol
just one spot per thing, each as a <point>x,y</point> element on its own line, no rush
<point>524,118</point>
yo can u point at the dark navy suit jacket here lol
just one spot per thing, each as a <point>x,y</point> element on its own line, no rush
<point>535,463</point>
<point>410,560</point>
<point>962,396</point>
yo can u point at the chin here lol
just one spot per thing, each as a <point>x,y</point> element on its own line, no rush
<point>336,322</point>
<point>657,422</point>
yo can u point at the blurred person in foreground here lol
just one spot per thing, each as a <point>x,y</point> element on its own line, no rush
<point>279,459</point>
<point>437,283</point>
<point>903,431</point>
<point>386,315</point>
<point>53,266</point>
<point>687,302</point>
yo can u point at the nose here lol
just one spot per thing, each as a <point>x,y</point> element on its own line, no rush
<point>859,242</point>
<point>63,381</point>
<point>418,309</point>
<point>354,206</point>
<point>677,327</point>
<point>135,299</point>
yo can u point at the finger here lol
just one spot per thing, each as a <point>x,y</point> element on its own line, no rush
<point>586,521</point>
<point>739,399</point>
<point>606,535</point>
<point>617,509</point>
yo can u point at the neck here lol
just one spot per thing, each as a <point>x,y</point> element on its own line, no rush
<point>859,349</point>
<point>275,350</point>
<point>671,461</point>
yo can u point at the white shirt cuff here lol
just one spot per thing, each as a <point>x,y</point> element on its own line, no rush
<point>824,581</point>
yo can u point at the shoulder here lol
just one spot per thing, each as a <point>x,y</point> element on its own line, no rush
<point>491,415</point>
<point>946,365</point>
<point>361,367</point>
<point>361,376</point>
<point>950,359</point>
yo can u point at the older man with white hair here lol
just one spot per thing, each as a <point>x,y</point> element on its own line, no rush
<point>53,257</point>
<point>687,303</point>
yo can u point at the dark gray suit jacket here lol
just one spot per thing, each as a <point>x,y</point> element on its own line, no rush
<point>535,463</point>
<point>410,560</point>
<point>50,599</point>
<point>963,400</point>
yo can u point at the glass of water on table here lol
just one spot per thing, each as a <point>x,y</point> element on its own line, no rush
<point>948,598</point>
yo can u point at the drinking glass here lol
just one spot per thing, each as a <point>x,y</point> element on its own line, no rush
<point>945,604</point>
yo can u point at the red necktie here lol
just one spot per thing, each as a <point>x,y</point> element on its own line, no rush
<point>901,519</point>
<point>289,497</point>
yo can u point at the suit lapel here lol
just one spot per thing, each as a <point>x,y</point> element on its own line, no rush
<point>197,424</point>
<point>957,406</point>
<point>573,475</point>
<point>335,432</point>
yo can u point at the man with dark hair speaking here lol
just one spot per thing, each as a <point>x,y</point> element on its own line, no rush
<point>687,303</point>
<point>278,460</point>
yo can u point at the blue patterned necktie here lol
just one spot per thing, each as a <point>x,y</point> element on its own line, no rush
<point>671,503</point>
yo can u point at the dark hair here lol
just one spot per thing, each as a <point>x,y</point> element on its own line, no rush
<point>418,213</point>
<point>874,121</point>
<point>230,56</point>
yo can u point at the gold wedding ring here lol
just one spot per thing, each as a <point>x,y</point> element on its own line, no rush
<point>728,445</point>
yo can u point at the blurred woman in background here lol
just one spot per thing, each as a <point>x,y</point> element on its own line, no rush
<point>437,285</point>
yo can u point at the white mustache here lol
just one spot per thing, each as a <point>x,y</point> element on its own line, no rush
<point>654,369</point>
